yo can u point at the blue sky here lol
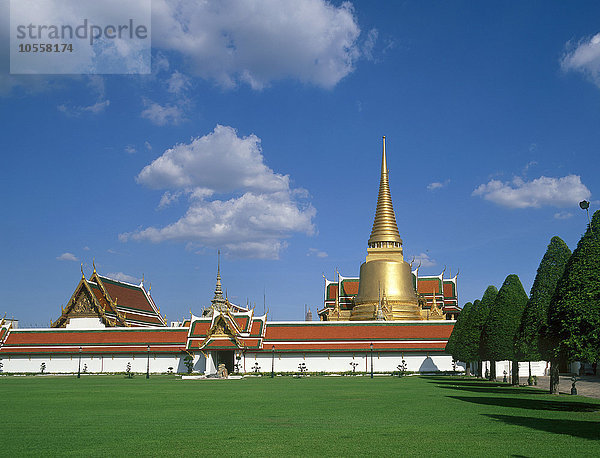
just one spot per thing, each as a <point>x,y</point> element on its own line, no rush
<point>267,143</point>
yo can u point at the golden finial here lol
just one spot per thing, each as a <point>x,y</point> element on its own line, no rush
<point>142,279</point>
<point>94,264</point>
<point>385,228</point>
<point>82,274</point>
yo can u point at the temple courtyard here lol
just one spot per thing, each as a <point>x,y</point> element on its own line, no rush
<point>423,416</point>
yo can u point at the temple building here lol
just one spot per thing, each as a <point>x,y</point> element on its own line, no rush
<point>386,317</point>
<point>108,302</point>
<point>388,289</point>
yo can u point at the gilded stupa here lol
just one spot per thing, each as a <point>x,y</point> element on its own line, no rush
<point>386,290</point>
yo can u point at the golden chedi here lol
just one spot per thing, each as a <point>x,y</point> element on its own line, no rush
<point>386,290</point>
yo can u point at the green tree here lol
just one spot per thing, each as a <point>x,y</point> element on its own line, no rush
<point>456,341</point>
<point>478,318</point>
<point>574,313</point>
<point>500,329</point>
<point>188,361</point>
<point>529,345</point>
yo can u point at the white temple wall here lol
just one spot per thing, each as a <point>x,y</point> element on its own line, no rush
<point>340,362</point>
<point>159,363</point>
<point>284,362</point>
<point>538,368</point>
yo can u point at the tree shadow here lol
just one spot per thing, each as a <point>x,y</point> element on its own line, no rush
<point>575,428</point>
<point>495,389</point>
<point>463,381</point>
<point>428,365</point>
<point>532,404</point>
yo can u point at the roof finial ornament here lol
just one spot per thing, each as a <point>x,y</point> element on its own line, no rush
<point>94,264</point>
<point>218,301</point>
<point>82,274</point>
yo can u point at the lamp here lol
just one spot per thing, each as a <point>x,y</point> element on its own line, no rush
<point>371,359</point>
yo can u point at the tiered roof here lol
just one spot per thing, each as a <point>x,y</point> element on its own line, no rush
<point>114,302</point>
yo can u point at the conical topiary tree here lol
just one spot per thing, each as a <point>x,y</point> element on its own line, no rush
<point>456,341</point>
<point>479,317</point>
<point>574,313</point>
<point>500,329</point>
<point>528,344</point>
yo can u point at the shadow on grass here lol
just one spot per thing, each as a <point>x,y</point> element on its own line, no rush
<point>532,404</point>
<point>479,386</point>
<point>575,428</point>
<point>463,381</point>
<point>494,389</point>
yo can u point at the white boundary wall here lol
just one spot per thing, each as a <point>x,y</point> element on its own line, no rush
<point>340,362</point>
<point>538,368</point>
<point>284,362</point>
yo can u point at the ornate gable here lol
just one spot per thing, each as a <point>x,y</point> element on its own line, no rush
<point>85,304</point>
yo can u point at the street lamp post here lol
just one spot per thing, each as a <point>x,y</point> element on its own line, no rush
<point>148,365</point>
<point>585,205</point>
<point>79,369</point>
<point>371,359</point>
<point>273,361</point>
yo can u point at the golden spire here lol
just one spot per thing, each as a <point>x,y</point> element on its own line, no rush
<point>384,226</point>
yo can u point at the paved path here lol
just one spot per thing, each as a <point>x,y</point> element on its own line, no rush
<point>587,385</point>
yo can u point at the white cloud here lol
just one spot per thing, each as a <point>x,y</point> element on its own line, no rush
<point>317,253</point>
<point>178,83</point>
<point>424,260</point>
<point>563,215</point>
<point>67,257</point>
<point>438,185</point>
<point>566,191</point>
<point>369,44</point>
<point>234,41</point>
<point>96,84</point>
<point>584,58</point>
<point>162,114</point>
<point>262,211</point>
<point>120,276</point>
<point>168,198</point>
<point>78,110</point>
<point>130,149</point>
<point>220,161</point>
<point>148,145</point>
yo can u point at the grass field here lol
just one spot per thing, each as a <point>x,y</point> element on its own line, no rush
<point>426,416</point>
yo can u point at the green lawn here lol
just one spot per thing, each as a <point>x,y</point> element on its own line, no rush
<point>112,415</point>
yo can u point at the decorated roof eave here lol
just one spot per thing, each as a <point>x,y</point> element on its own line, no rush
<point>152,304</point>
<point>122,317</point>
